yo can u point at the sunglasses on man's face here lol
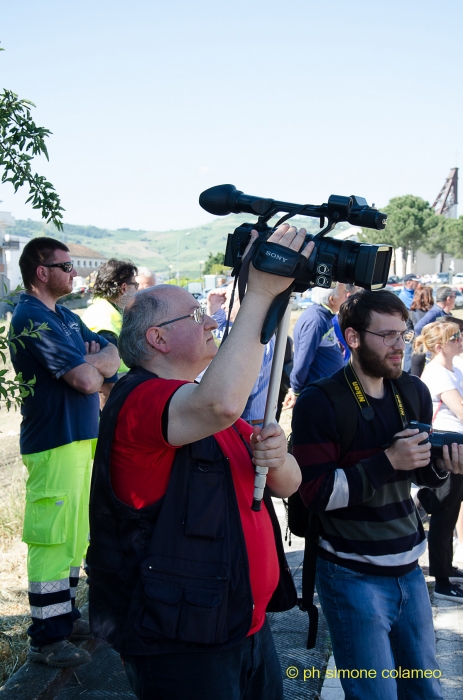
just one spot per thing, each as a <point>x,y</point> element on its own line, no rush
<point>66,266</point>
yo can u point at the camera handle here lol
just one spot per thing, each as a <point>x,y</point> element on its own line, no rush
<point>273,391</point>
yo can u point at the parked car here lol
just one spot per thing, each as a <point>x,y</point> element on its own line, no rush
<point>457,280</point>
<point>395,290</point>
<point>393,279</point>
<point>305,303</point>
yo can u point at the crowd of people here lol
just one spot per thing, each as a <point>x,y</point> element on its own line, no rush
<point>181,570</point>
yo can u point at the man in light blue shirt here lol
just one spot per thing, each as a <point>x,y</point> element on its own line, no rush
<point>411,282</point>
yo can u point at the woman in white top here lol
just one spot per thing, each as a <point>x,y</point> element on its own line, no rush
<point>445,383</point>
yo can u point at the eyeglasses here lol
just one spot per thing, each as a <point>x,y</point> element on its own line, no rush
<point>198,315</point>
<point>455,337</point>
<point>66,266</point>
<point>135,284</point>
<point>391,337</point>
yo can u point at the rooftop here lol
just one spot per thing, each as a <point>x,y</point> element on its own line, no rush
<point>75,249</point>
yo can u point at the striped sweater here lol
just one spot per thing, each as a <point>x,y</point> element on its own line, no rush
<point>369,522</point>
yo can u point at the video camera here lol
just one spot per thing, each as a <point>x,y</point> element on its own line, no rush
<point>437,438</point>
<point>331,261</point>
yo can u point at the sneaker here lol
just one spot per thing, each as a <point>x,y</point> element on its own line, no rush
<point>456,575</point>
<point>59,655</point>
<point>80,630</point>
<point>448,591</point>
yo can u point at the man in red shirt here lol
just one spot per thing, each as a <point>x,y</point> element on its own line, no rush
<point>172,528</point>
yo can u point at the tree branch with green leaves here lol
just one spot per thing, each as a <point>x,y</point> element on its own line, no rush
<point>13,391</point>
<point>20,141</point>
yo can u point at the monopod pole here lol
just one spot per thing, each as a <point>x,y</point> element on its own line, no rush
<point>272,398</point>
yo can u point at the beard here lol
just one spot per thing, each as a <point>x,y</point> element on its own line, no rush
<point>123,300</point>
<point>59,288</point>
<point>374,365</point>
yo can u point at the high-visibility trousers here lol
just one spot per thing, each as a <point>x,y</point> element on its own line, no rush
<point>56,529</point>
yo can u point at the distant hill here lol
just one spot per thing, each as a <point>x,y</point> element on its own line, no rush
<point>155,249</point>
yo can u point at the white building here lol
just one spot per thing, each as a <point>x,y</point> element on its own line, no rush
<point>10,250</point>
<point>86,260</point>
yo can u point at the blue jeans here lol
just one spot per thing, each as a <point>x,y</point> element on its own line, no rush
<point>382,633</point>
<point>249,671</point>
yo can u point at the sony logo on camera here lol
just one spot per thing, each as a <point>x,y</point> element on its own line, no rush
<point>277,257</point>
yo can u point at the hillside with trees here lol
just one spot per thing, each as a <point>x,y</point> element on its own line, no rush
<point>155,249</point>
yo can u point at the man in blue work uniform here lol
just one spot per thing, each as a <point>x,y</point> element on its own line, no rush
<point>58,431</point>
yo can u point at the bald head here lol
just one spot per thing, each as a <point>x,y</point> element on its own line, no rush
<point>147,308</point>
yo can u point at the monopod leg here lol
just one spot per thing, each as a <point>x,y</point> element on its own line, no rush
<point>272,398</point>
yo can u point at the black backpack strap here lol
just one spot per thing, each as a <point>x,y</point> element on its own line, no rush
<point>309,568</point>
<point>409,394</point>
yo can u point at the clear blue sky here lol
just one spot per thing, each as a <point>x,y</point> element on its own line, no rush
<point>152,102</point>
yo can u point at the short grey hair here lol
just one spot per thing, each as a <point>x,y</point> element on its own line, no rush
<point>321,295</point>
<point>145,309</point>
<point>144,272</point>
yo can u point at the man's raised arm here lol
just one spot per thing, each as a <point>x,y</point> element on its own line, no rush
<point>197,411</point>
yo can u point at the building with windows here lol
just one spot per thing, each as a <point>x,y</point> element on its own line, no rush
<point>86,260</point>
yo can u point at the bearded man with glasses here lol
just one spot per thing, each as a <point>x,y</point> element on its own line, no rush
<point>182,571</point>
<point>370,586</point>
<point>58,431</point>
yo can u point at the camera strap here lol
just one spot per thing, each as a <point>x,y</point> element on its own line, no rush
<point>366,410</point>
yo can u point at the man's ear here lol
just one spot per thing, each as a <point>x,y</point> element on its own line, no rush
<point>352,337</point>
<point>157,339</point>
<point>41,273</point>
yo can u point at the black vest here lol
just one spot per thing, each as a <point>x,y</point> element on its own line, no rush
<point>174,575</point>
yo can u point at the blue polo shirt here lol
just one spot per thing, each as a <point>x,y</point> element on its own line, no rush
<point>56,414</point>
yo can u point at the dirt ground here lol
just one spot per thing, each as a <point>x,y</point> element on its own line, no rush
<point>14,608</point>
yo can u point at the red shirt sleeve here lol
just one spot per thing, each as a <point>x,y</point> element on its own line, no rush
<point>141,459</point>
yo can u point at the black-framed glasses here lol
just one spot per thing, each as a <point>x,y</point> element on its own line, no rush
<point>455,337</point>
<point>391,337</point>
<point>66,266</point>
<point>134,284</point>
<point>198,315</point>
